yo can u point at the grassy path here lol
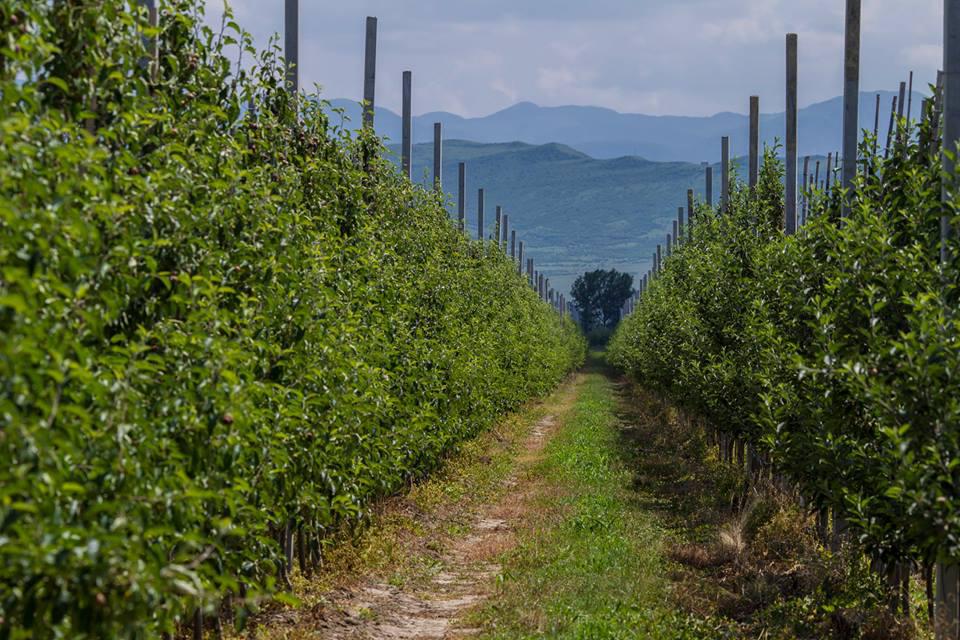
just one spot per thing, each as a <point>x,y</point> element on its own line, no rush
<point>589,561</point>
<point>535,529</point>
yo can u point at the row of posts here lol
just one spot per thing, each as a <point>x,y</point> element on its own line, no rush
<point>947,593</point>
<point>503,234</point>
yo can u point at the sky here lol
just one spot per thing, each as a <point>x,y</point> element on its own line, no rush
<point>676,57</point>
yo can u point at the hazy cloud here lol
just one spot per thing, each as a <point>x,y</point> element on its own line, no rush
<point>690,57</point>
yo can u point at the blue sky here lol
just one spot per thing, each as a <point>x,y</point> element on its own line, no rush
<point>683,57</point>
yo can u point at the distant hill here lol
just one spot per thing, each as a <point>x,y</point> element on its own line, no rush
<point>574,212</point>
<point>603,133</point>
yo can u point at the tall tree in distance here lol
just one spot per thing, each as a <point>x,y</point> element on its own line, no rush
<point>599,295</point>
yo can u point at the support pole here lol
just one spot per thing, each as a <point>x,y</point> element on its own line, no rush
<point>708,178</point>
<point>506,231</point>
<point>520,257</point>
<point>680,227</point>
<point>291,44</point>
<point>513,244</point>
<point>724,173</point>
<point>851,102</point>
<point>790,213</point>
<point>947,616</point>
<point>462,195</point>
<point>438,156</point>
<point>370,73</point>
<point>754,142</point>
<point>480,215</point>
<point>407,144</point>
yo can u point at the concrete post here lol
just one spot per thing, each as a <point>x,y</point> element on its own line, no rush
<point>291,44</point>
<point>790,223</point>
<point>462,195</point>
<point>438,156</point>
<point>724,173</point>
<point>407,142</point>
<point>851,100</point>
<point>480,215</point>
<point>370,73</point>
<point>754,169</point>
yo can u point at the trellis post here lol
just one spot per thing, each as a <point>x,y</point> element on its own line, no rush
<point>291,44</point>
<point>790,213</point>
<point>370,73</point>
<point>680,227</point>
<point>513,244</point>
<point>754,169</point>
<point>480,215</point>
<point>462,195</point>
<point>438,156</point>
<point>851,101</point>
<point>708,178</point>
<point>506,231</point>
<point>947,612</point>
<point>407,135</point>
<point>724,173</point>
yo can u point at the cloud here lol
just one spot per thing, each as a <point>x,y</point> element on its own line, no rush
<point>692,57</point>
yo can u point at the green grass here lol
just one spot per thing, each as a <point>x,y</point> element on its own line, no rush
<point>590,563</point>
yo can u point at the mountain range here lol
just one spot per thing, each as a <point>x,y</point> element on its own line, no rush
<point>574,213</point>
<point>605,134</point>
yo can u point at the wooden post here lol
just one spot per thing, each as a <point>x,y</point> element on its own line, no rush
<point>676,232</point>
<point>669,245</point>
<point>506,230</point>
<point>689,204</point>
<point>462,195</point>
<point>790,226</point>
<point>680,229</point>
<point>438,156</point>
<point>851,101</point>
<point>407,143</point>
<point>754,141</point>
<point>724,173</point>
<point>496,226</point>
<point>520,257</point>
<point>708,176</point>
<point>291,44</point>
<point>659,257</point>
<point>370,73</point>
<point>513,244</point>
<point>480,215</point>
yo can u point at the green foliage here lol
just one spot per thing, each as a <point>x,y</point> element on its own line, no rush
<point>599,295</point>
<point>215,325</point>
<point>833,350</point>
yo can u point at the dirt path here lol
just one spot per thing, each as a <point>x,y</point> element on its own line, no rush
<point>463,567</point>
<point>434,610</point>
